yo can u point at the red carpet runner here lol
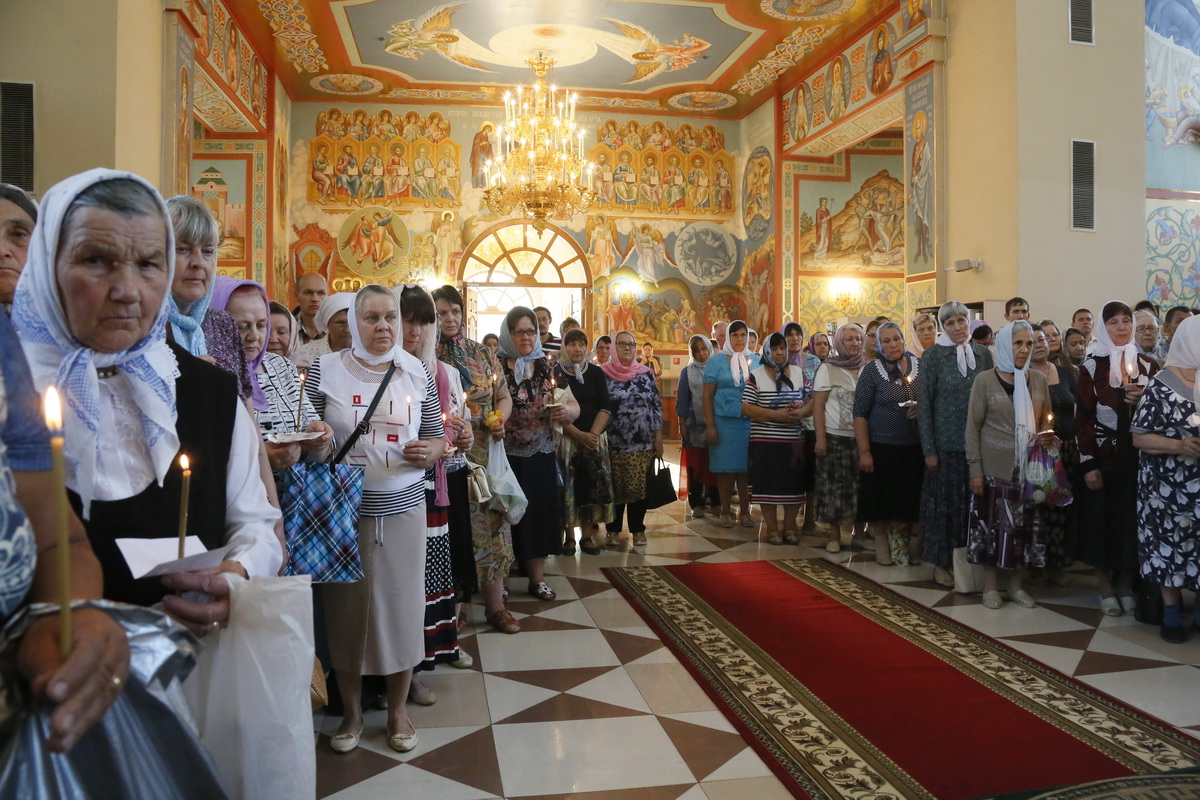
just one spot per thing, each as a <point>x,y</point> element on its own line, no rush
<point>848,690</point>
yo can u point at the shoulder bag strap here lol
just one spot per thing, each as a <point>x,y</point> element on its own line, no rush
<point>364,425</point>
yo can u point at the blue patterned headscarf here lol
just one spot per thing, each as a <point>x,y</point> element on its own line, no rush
<point>57,359</point>
<point>523,369</point>
<point>185,326</point>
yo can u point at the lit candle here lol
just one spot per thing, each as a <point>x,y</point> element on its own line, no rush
<point>300,397</point>
<point>408,402</point>
<point>53,410</point>
<point>184,494</point>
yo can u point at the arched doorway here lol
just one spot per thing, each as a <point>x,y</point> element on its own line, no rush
<point>510,264</point>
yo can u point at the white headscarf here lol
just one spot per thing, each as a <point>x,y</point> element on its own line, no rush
<point>357,348</point>
<point>695,370</point>
<point>1185,351</point>
<point>342,301</point>
<point>739,367</point>
<point>1120,358</point>
<point>964,352</point>
<point>57,359</point>
<point>1022,401</point>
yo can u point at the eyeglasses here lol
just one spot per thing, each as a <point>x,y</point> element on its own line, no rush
<point>626,344</point>
<point>1146,328</point>
<point>525,333</point>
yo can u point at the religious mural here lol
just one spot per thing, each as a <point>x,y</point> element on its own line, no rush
<point>757,192</point>
<point>373,242</point>
<point>918,127</point>
<point>384,159</point>
<point>864,231</point>
<point>1172,117</point>
<point>653,168</point>
<point>1173,252</point>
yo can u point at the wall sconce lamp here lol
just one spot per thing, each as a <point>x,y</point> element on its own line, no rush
<point>843,293</point>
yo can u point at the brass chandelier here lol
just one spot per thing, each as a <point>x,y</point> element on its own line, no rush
<point>540,170</point>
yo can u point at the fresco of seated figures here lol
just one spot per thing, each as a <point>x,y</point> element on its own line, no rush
<point>654,169</point>
<point>358,159</point>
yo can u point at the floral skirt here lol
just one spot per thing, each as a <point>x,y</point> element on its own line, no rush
<point>835,496</point>
<point>587,482</point>
<point>629,475</point>
<point>1003,531</point>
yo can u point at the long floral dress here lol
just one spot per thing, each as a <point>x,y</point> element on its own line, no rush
<point>490,532</point>
<point>1168,524</point>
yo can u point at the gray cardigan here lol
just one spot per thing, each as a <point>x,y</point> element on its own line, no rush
<point>991,424</point>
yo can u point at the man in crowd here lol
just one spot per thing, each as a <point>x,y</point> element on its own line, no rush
<point>1081,321</point>
<point>1016,308</point>
<point>1175,315</point>
<point>550,343</point>
<point>719,332</point>
<point>311,290</point>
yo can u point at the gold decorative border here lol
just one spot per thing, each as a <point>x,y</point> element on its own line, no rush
<point>1124,735</point>
<point>817,748</point>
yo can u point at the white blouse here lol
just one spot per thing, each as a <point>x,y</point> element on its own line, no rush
<point>124,469</point>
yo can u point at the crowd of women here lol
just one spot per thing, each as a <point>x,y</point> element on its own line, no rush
<point>917,440</point>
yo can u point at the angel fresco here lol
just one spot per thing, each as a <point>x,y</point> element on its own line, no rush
<point>711,139</point>
<point>413,129</point>
<point>436,128</point>
<point>685,140</point>
<point>602,243</point>
<point>652,57</point>
<point>384,127</point>
<point>373,239</point>
<point>652,255</point>
<point>633,135</point>
<point>611,135</point>
<point>329,123</point>
<point>432,32</point>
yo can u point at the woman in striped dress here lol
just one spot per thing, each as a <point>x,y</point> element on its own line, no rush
<point>776,399</point>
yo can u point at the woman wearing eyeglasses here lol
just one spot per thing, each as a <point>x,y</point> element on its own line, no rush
<point>530,444</point>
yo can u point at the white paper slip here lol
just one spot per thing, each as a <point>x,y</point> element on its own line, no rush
<point>148,558</point>
<point>288,438</point>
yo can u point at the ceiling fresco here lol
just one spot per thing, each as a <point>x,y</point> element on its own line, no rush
<point>693,57</point>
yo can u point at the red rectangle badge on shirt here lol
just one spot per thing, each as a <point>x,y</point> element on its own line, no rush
<point>392,437</point>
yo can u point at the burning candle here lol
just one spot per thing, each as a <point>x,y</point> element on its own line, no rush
<point>408,402</point>
<point>53,411</point>
<point>300,397</point>
<point>184,494</point>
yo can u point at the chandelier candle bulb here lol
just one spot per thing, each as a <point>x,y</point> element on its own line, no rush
<point>62,538</point>
<point>184,494</point>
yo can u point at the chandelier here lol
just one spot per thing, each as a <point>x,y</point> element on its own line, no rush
<point>540,170</point>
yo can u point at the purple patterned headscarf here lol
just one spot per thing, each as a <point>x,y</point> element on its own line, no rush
<point>223,289</point>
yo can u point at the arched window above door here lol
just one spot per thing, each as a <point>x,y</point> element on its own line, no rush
<point>513,252</point>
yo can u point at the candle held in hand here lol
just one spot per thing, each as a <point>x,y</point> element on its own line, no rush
<point>53,411</point>
<point>408,403</point>
<point>300,397</point>
<point>184,494</point>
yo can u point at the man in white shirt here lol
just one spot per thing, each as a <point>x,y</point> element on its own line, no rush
<point>311,291</point>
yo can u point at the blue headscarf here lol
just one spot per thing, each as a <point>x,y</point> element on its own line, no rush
<point>185,327</point>
<point>523,368</point>
<point>57,359</point>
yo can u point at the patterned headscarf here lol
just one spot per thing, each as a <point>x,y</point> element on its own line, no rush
<point>57,359</point>
<point>523,369</point>
<point>838,357</point>
<point>891,368</point>
<point>223,288</point>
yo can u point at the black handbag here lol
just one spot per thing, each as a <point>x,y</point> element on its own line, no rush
<point>660,490</point>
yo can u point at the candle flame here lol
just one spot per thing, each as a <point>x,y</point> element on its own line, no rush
<point>303,376</point>
<point>53,407</point>
<point>184,464</point>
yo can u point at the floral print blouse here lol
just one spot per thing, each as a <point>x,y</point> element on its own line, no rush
<point>527,431</point>
<point>637,414</point>
<point>486,392</point>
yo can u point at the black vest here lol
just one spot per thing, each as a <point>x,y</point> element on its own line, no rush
<point>206,398</point>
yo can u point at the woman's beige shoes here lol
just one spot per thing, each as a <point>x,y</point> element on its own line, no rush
<point>345,742</point>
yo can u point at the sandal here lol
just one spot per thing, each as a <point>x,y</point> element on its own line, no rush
<point>541,591</point>
<point>588,545</point>
<point>727,521</point>
<point>747,521</point>
<point>774,537</point>
<point>992,600</point>
<point>504,621</point>
<point>1110,606</point>
<point>943,577</point>
<point>460,622</point>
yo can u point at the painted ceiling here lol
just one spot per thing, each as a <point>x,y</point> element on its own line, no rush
<point>693,57</point>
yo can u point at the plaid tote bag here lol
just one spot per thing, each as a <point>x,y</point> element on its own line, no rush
<point>320,504</point>
<point>320,521</point>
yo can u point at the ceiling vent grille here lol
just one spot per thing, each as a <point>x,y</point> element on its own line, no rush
<point>1083,30</point>
<point>16,134</point>
<point>1083,185</point>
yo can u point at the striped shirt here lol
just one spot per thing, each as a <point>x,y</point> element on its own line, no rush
<point>382,503</point>
<point>761,391</point>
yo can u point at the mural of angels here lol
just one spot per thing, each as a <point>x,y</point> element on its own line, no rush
<point>372,242</point>
<point>603,244</point>
<point>651,251</point>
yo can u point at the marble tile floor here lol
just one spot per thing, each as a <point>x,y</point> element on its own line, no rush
<point>586,702</point>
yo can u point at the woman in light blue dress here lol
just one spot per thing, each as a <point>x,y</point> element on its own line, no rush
<point>727,430</point>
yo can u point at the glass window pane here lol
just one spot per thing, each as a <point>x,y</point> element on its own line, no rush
<point>513,236</point>
<point>546,273</point>
<point>574,273</point>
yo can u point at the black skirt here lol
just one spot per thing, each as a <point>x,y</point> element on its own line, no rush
<point>540,531</point>
<point>462,548</point>
<point>893,491</point>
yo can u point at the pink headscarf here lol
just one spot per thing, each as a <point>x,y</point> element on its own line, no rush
<point>223,289</point>
<point>614,369</point>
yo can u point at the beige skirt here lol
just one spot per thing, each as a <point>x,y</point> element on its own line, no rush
<point>376,626</point>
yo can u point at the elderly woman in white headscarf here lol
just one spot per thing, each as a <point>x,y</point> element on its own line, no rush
<point>332,319</point>
<point>1111,381</point>
<point>1166,431</point>
<point>1008,406</point>
<point>91,308</point>
<point>727,430</point>
<point>376,625</point>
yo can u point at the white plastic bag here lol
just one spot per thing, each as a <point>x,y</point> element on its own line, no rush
<point>250,691</point>
<point>507,494</point>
